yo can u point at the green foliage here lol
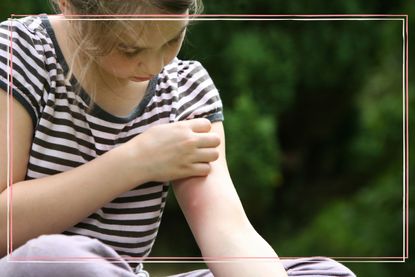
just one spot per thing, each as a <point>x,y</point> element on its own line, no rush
<point>259,63</point>
<point>20,7</point>
<point>380,105</point>
<point>355,228</point>
<point>252,149</point>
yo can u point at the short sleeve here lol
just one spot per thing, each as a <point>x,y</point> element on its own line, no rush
<point>197,94</point>
<point>22,66</point>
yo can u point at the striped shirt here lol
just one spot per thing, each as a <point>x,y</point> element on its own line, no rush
<point>67,134</point>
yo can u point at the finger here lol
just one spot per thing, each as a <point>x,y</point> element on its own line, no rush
<point>205,155</point>
<point>200,169</point>
<point>199,125</point>
<point>207,140</point>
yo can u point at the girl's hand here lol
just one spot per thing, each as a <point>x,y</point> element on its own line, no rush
<point>172,151</point>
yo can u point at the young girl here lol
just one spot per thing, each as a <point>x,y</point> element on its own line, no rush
<point>94,154</point>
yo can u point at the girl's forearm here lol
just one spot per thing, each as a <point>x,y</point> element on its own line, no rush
<point>218,221</point>
<point>54,203</point>
<point>242,254</point>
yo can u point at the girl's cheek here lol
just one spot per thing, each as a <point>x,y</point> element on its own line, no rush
<point>171,54</point>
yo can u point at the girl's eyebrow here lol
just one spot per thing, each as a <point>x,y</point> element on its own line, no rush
<point>134,47</point>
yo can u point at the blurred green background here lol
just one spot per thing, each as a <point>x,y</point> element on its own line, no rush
<point>314,125</point>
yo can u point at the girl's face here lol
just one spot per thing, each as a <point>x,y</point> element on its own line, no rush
<point>154,45</point>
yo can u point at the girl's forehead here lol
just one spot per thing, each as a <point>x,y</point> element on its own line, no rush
<point>152,32</point>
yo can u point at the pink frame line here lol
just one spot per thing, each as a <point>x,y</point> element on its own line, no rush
<point>157,258</point>
<point>407,134</point>
<point>235,16</point>
<point>10,145</point>
<point>230,15</point>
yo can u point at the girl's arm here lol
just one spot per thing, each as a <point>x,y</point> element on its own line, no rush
<point>217,219</point>
<point>53,204</point>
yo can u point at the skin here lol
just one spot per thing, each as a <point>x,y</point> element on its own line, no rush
<point>191,153</point>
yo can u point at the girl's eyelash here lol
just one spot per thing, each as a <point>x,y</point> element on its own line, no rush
<point>173,41</point>
<point>130,53</point>
<point>176,39</point>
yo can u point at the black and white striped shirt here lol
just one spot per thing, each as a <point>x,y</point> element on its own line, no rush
<point>67,134</point>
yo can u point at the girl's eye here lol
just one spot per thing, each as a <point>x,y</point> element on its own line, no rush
<point>174,41</point>
<point>129,52</point>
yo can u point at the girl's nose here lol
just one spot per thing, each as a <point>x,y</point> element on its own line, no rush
<point>152,62</point>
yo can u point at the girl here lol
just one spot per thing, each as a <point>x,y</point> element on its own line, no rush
<point>93,154</point>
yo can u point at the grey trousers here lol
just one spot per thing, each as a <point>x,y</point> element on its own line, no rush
<point>78,256</point>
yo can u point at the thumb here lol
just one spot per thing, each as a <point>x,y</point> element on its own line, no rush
<point>199,125</point>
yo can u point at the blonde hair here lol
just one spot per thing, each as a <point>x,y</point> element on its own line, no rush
<point>97,38</point>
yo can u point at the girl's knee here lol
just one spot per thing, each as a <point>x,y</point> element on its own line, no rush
<point>58,246</point>
<point>60,255</point>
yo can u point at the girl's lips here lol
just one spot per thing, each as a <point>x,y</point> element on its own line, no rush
<point>141,79</point>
